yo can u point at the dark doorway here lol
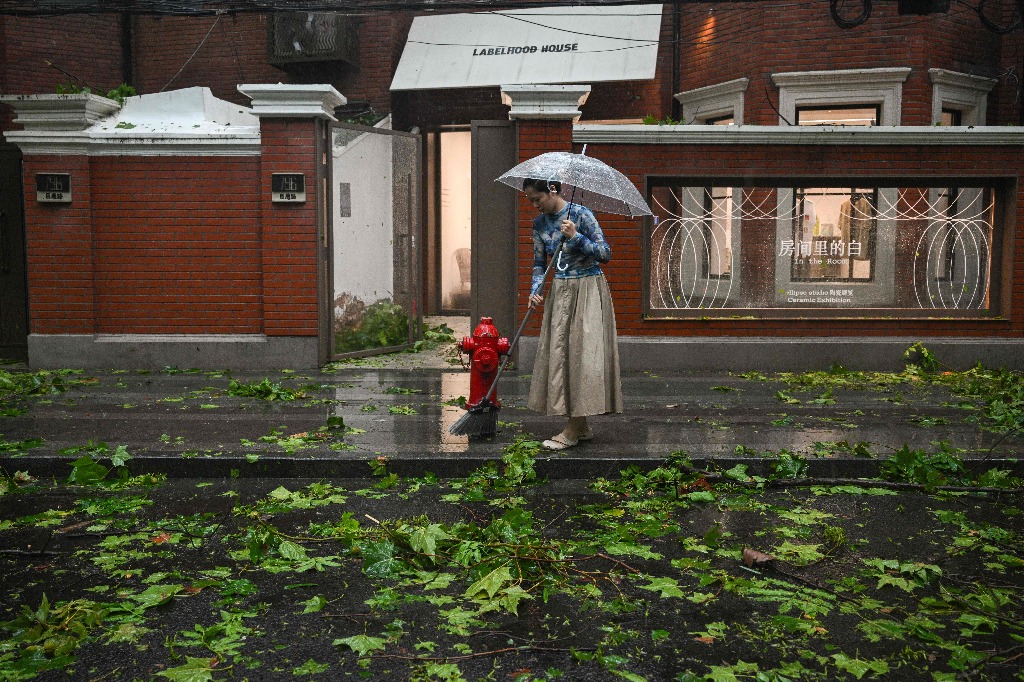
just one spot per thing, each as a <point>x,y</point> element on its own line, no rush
<point>469,245</point>
<point>13,279</point>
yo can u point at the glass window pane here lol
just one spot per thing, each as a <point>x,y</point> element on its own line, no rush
<point>726,120</point>
<point>951,117</point>
<point>833,234</point>
<point>692,248</point>
<point>841,116</point>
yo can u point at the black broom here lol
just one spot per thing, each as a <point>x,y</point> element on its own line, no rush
<point>482,419</point>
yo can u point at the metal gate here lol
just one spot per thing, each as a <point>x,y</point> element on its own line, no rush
<point>375,226</point>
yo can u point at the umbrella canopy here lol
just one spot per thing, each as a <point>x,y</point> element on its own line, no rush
<point>585,180</point>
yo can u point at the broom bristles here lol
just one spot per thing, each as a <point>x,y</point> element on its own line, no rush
<point>479,420</point>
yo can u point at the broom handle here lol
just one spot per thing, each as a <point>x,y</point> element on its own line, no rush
<point>522,325</point>
<point>529,308</point>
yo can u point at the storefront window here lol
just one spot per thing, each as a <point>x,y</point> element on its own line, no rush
<point>833,234</point>
<point>824,251</point>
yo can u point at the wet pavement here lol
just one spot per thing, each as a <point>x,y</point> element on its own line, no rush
<point>188,424</point>
<point>247,472</point>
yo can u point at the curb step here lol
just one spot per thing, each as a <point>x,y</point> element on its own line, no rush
<point>553,466</point>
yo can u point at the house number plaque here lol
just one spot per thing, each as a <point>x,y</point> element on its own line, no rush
<point>53,188</point>
<point>288,188</point>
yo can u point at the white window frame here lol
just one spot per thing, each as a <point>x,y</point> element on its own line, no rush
<point>961,92</point>
<point>714,101</point>
<point>883,87</point>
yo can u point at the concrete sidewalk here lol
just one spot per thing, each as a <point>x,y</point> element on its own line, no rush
<point>187,423</point>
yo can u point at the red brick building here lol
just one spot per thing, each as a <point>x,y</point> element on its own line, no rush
<point>866,191</point>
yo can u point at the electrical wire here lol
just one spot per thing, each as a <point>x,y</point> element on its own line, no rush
<point>35,8</point>
<point>1018,18</point>
<point>194,53</point>
<point>199,7</point>
<point>762,37</point>
<point>579,33</point>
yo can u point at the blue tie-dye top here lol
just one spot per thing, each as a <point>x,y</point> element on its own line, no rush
<point>580,255</point>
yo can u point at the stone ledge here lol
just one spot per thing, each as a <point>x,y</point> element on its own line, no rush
<point>59,112</point>
<point>801,353</point>
<point>544,102</point>
<point>954,136</point>
<point>293,101</point>
<point>154,351</point>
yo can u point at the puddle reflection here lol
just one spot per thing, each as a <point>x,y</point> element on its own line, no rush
<point>425,431</point>
<point>453,384</point>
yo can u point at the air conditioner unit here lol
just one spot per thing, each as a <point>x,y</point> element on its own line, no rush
<point>302,37</point>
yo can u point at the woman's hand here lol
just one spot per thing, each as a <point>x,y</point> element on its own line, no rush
<point>536,299</point>
<point>568,229</point>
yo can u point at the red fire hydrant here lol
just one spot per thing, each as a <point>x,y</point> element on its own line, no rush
<point>485,349</point>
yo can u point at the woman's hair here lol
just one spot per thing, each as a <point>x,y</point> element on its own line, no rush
<point>542,185</point>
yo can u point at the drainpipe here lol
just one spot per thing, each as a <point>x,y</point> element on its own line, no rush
<point>127,71</point>
<point>677,18</point>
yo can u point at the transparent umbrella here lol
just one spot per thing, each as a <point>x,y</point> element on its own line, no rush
<point>585,180</point>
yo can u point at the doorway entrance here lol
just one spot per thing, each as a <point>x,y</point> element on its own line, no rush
<point>470,244</point>
<point>456,212</point>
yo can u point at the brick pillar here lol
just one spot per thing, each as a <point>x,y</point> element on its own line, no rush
<point>59,250</point>
<point>545,116</point>
<point>294,241</point>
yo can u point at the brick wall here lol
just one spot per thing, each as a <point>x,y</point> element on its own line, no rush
<point>150,245</point>
<point>639,98</point>
<point>236,52</point>
<point>176,245</point>
<point>87,48</point>
<point>722,42</point>
<point>432,109</point>
<point>1006,104</point>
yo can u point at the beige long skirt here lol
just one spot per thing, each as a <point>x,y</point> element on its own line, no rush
<point>576,372</point>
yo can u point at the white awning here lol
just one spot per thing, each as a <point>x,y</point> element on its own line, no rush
<point>533,46</point>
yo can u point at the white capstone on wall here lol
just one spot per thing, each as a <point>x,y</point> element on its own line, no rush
<point>59,112</point>
<point>293,101</point>
<point>550,102</point>
<point>184,122</point>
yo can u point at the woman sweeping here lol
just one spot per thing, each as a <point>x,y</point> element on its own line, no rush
<point>576,372</point>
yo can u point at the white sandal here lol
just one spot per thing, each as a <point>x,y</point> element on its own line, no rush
<point>559,442</point>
